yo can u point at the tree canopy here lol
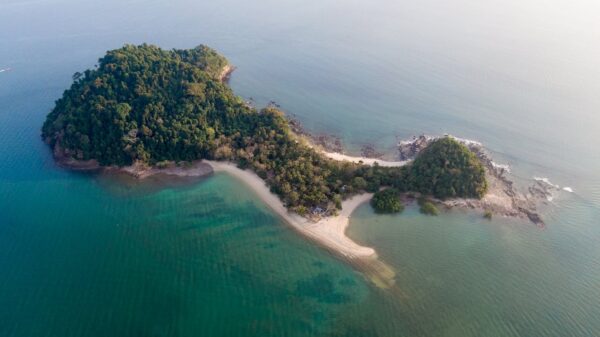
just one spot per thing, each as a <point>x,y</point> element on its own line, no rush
<point>446,169</point>
<point>387,201</point>
<point>145,103</point>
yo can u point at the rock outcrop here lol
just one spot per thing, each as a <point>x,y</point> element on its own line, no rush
<point>503,197</point>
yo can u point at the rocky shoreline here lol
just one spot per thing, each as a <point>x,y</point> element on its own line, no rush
<point>139,170</point>
<point>503,198</point>
<point>198,168</point>
<point>225,74</point>
<point>325,142</point>
<point>64,158</point>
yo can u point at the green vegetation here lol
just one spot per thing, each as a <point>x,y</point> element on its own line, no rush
<point>206,59</point>
<point>447,169</point>
<point>145,104</point>
<point>428,208</point>
<point>387,201</point>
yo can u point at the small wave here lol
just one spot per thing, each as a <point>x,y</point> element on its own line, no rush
<point>568,189</point>
<point>504,167</point>
<point>415,139</point>
<point>4,69</point>
<point>465,141</point>
<point>546,181</point>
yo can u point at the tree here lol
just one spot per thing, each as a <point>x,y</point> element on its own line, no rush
<point>387,201</point>
<point>359,183</point>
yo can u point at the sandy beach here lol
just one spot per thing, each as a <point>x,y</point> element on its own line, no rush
<point>364,160</point>
<point>330,231</point>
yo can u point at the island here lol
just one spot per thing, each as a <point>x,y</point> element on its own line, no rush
<point>144,110</point>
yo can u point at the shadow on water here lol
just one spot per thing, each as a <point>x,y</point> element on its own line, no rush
<point>122,184</point>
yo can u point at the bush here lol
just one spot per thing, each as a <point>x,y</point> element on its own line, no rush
<point>428,208</point>
<point>387,201</point>
<point>359,183</point>
<point>337,199</point>
<point>163,164</point>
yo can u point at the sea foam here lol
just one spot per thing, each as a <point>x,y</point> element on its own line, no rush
<point>504,167</point>
<point>546,181</point>
<point>467,142</point>
<point>415,139</point>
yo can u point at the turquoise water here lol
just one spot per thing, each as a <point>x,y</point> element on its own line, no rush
<point>85,255</point>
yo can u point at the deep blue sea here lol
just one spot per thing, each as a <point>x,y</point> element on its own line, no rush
<point>89,255</point>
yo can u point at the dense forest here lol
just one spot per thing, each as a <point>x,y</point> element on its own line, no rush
<point>143,103</point>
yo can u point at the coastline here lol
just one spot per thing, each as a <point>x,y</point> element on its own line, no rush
<point>197,168</point>
<point>367,161</point>
<point>502,198</point>
<point>329,233</point>
<point>138,170</point>
<point>226,73</point>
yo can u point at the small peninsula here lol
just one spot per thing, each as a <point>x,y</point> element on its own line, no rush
<point>145,110</point>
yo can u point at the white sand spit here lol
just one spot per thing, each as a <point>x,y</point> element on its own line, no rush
<point>366,161</point>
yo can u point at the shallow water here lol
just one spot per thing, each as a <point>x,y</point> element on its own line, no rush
<point>90,255</point>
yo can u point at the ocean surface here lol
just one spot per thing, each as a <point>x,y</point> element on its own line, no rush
<point>90,255</point>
